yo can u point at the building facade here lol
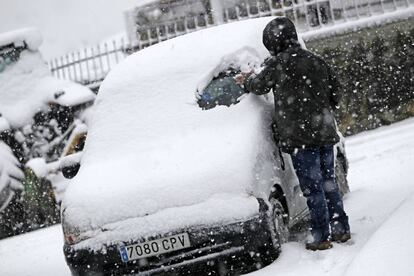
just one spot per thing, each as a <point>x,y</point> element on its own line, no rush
<point>161,18</point>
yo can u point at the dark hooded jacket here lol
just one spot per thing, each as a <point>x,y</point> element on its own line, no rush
<point>305,89</point>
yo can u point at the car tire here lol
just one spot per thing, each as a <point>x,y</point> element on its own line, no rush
<point>276,219</point>
<point>279,220</point>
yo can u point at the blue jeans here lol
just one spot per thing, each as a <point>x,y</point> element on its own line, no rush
<point>315,169</point>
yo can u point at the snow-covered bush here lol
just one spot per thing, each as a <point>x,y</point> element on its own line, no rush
<point>10,172</point>
<point>377,76</point>
<point>11,176</point>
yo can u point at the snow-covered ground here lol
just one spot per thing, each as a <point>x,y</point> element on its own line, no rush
<point>379,206</point>
<point>381,182</point>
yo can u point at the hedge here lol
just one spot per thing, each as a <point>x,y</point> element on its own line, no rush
<point>377,77</point>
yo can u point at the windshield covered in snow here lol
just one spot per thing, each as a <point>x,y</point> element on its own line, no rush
<point>222,90</point>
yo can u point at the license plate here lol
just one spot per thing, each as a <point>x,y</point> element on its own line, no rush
<point>155,247</point>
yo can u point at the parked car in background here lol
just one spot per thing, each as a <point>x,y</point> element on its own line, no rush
<point>36,112</point>
<point>168,187</point>
<point>66,167</point>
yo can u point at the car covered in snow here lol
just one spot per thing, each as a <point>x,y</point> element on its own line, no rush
<point>36,112</point>
<point>66,167</point>
<point>171,184</point>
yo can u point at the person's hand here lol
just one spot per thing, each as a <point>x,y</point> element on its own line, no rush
<point>241,77</point>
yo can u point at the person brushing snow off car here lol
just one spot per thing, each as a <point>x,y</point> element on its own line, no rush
<point>306,93</point>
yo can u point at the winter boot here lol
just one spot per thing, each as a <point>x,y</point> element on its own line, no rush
<point>341,238</point>
<point>318,245</point>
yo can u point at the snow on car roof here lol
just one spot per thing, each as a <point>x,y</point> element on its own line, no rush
<point>29,36</point>
<point>150,147</point>
<point>27,86</point>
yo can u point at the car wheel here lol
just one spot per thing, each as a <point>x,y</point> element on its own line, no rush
<point>279,221</point>
<point>279,233</point>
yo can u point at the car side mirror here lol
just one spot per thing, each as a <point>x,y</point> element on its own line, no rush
<point>70,165</point>
<point>70,172</point>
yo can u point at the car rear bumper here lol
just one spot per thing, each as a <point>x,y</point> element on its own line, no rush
<point>212,249</point>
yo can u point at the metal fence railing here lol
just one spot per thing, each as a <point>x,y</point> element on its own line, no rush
<point>90,66</point>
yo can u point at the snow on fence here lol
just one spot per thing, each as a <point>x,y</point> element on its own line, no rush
<point>90,65</point>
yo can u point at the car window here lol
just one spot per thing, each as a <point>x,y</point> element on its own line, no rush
<point>77,144</point>
<point>8,55</point>
<point>222,90</point>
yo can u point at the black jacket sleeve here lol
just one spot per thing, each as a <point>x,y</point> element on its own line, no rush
<point>334,89</point>
<point>263,82</point>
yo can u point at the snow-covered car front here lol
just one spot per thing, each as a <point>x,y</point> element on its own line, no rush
<point>158,171</point>
<point>156,165</point>
<point>203,241</point>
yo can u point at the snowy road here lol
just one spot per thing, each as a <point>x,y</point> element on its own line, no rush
<point>379,206</point>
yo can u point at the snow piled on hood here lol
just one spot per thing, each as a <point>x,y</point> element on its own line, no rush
<point>29,36</point>
<point>150,147</point>
<point>216,211</point>
<point>27,87</point>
